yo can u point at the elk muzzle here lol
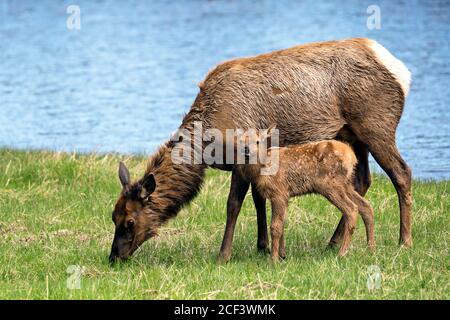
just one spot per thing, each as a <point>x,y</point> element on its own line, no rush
<point>121,248</point>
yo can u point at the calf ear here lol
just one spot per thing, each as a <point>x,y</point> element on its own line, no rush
<point>268,133</point>
<point>124,175</point>
<point>271,130</point>
<point>148,186</point>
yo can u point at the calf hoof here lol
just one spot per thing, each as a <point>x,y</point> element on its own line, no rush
<point>405,242</point>
<point>342,253</point>
<point>332,245</point>
<point>282,253</point>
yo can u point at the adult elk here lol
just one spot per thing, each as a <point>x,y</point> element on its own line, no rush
<point>353,90</point>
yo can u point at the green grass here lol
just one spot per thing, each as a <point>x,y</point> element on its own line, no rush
<point>55,211</point>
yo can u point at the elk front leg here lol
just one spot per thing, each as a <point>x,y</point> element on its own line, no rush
<point>238,190</point>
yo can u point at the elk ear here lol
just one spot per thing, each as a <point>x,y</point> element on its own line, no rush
<point>124,175</point>
<point>148,186</point>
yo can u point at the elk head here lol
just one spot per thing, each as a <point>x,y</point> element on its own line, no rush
<point>134,220</point>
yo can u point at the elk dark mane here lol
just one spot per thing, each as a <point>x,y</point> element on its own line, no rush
<point>176,184</point>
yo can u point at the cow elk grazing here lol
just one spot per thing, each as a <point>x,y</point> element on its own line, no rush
<point>324,167</point>
<point>352,90</point>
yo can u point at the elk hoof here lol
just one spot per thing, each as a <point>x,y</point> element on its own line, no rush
<point>223,258</point>
<point>262,247</point>
<point>332,245</point>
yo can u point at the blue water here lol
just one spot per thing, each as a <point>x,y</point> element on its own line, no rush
<point>124,80</point>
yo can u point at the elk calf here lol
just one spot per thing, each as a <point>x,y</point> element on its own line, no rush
<point>324,167</point>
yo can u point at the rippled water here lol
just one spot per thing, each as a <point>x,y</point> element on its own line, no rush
<point>124,80</point>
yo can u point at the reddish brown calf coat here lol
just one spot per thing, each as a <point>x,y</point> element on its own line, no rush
<point>324,167</point>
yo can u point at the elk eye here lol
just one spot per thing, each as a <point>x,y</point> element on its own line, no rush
<point>257,142</point>
<point>130,224</point>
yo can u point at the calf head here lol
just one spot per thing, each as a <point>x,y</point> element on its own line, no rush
<point>253,142</point>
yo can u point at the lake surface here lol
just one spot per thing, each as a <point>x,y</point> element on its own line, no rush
<point>123,81</point>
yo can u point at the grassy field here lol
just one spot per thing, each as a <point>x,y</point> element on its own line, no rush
<point>55,212</point>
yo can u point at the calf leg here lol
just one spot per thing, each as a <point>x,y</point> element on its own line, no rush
<point>238,190</point>
<point>350,216</point>
<point>366,212</point>
<point>279,210</point>
<point>361,181</point>
<point>282,249</point>
<point>260,204</point>
<point>337,196</point>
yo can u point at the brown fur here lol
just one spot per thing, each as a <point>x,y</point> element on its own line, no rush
<point>324,167</point>
<point>313,92</point>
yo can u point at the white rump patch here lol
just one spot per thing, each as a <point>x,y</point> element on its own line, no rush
<point>395,66</point>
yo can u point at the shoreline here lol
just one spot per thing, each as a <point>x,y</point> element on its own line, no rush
<point>374,169</point>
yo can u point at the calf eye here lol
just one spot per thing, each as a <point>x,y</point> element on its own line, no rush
<point>130,224</point>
